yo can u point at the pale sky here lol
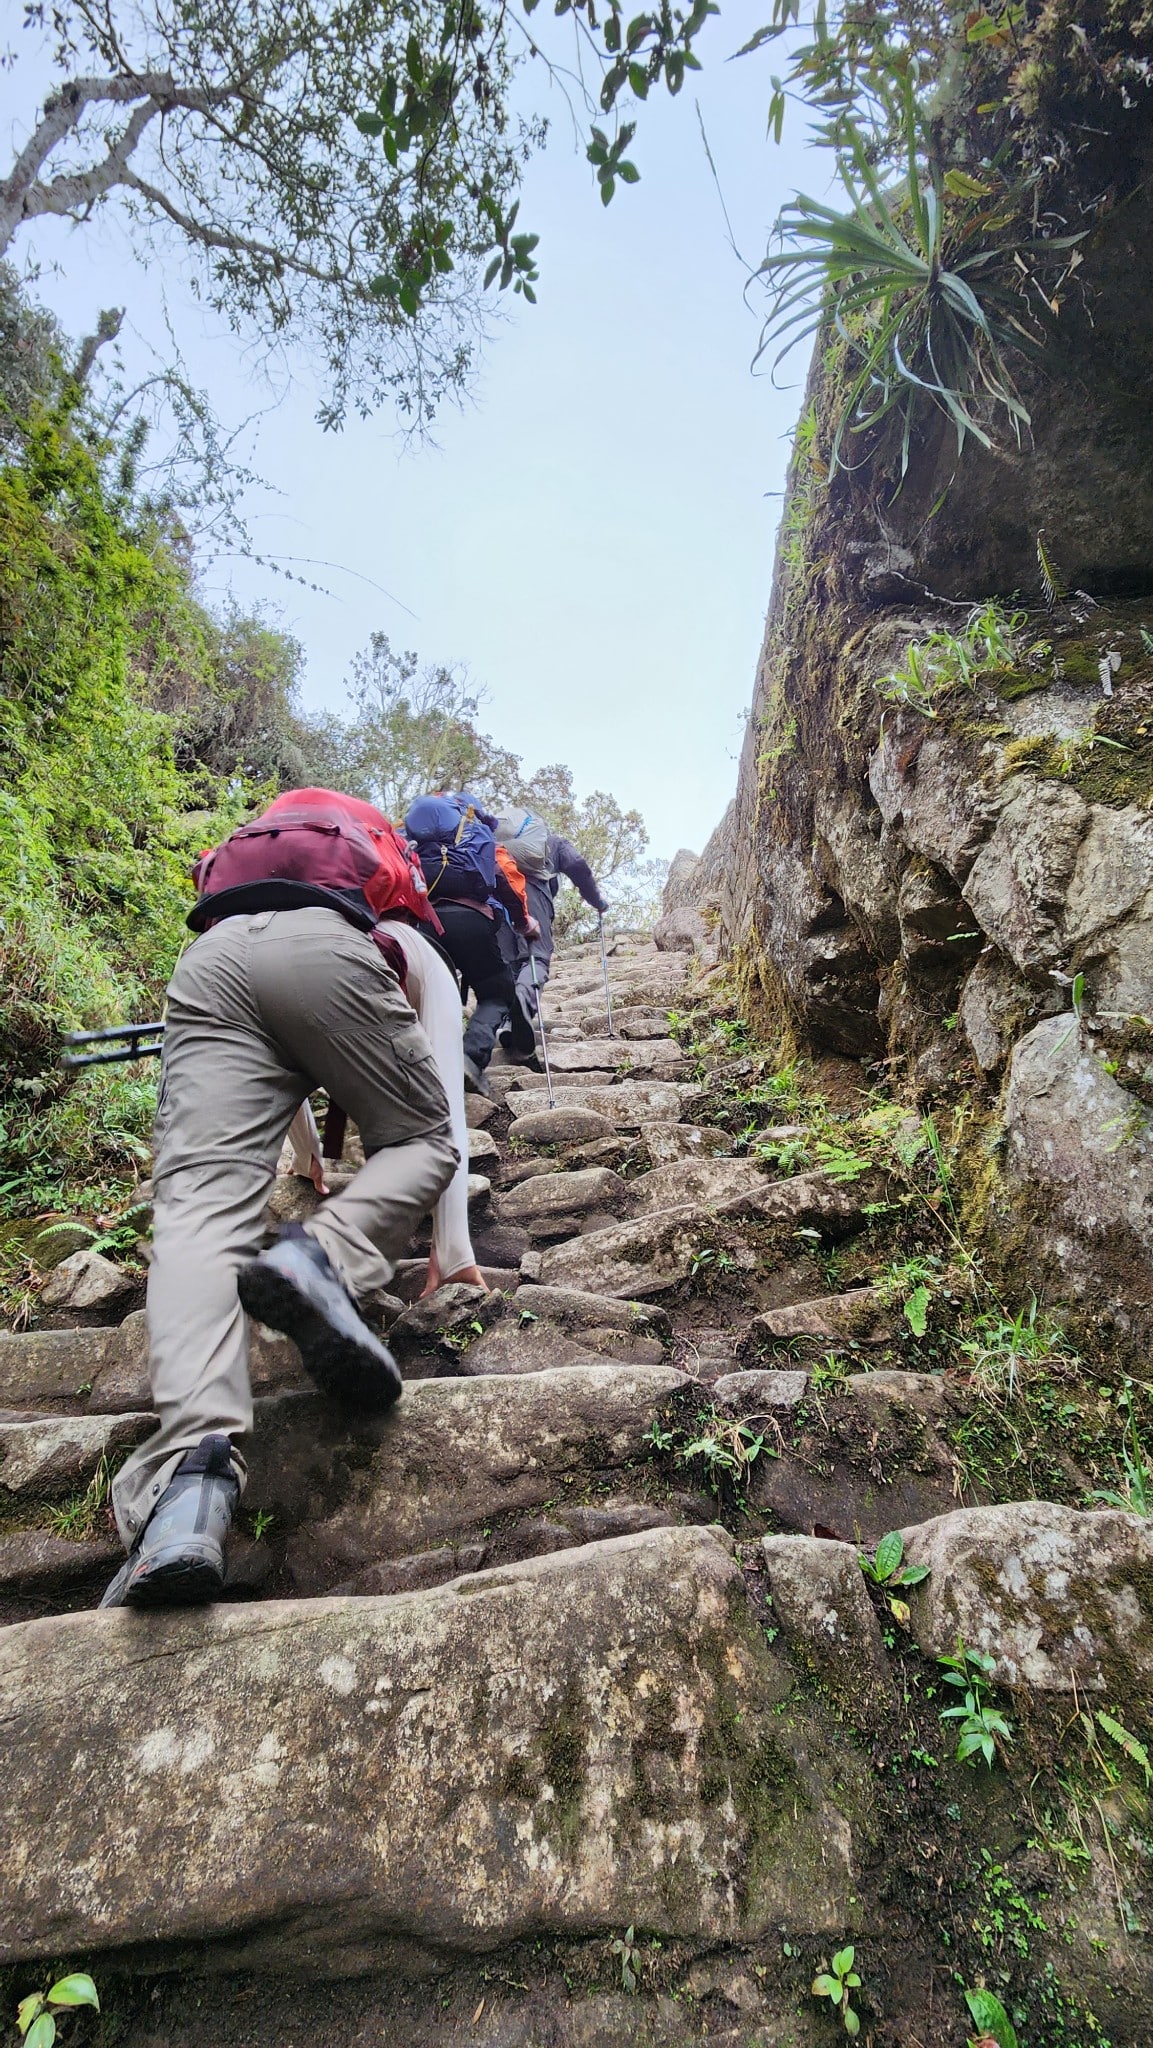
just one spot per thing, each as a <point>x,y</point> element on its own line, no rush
<point>593,532</point>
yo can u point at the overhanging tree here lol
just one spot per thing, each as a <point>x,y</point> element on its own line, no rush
<point>345,170</point>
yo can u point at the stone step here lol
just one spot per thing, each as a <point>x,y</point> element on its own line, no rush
<point>626,1104</point>
<point>566,1194</point>
<point>659,1057</point>
<point>459,1456</point>
<point>105,1371</point>
<point>585,1742</point>
<point>653,1252</point>
<point>630,1020</point>
<point>706,1181</point>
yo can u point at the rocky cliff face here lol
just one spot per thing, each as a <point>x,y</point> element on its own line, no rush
<point>939,858</point>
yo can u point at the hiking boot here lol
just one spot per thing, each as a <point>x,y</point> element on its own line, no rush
<point>474,1081</point>
<point>293,1288</point>
<point>178,1558</point>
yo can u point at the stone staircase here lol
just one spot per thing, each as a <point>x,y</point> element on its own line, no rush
<point>518,1670</point>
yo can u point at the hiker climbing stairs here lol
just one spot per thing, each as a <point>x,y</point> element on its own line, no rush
<point>575,1641</point>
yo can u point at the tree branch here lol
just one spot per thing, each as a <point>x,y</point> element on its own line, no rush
<point>23,197</point>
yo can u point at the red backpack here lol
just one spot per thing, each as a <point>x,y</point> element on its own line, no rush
<point>313,847</point>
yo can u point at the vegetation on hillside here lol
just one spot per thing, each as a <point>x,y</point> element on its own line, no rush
<point>135,728</point>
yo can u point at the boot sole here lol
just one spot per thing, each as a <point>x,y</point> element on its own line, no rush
<point>177,1582</point>
<point>343,1369</point>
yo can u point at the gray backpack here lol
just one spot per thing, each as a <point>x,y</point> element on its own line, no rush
<point>526,838</point>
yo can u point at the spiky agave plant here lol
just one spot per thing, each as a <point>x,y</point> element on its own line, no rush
<point>925,282</point>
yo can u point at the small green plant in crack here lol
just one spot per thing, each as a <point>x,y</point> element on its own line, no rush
<point>625,1947</point>
<point>980,1723</point>
<point>786,1155</point>
<point>887,1569</point>
<point>38,2015</point>
<point>835,1984</point>
<point>726,1448</point>
<point>710,1264</point>
<point>262,1522</point>
<point>1001,1346</point>
<point>459,1340</point>
<point>840,1162</point>
<point>1135,1492</point>
<point>78,1518</point>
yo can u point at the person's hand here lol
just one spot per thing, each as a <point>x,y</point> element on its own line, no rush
<point>531,928</point>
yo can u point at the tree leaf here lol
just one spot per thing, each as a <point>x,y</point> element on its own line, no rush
<point>899,1610</point>
<point>41,2033</point>
<point>890,1551</point>
<point>843,1960</point>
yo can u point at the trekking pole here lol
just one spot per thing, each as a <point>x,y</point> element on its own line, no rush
<point>540,1021</point>
<point>124,1042</point>
<point>605,965</point>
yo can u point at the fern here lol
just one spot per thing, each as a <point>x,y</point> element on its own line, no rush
<point>1051,585</point>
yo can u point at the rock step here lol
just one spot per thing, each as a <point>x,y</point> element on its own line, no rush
<point>400,1777</point>
<point>563,1747</point>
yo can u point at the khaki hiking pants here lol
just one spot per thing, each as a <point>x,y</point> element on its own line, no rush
<point>261,1010</point>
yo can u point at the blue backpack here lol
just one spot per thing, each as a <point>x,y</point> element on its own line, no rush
<point>456,845</point>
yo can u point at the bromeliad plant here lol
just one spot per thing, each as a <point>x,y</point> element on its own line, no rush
<point>926,282</point>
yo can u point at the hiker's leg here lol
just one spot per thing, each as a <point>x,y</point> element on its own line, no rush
<point>536,953</point>
<point>339,1014</point>
<point>474,945</point>
<point>226,1097</point>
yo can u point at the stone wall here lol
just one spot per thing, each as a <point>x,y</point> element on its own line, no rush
<point>926,886</point>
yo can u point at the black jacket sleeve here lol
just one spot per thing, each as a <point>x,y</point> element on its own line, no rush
<point>568,861</point>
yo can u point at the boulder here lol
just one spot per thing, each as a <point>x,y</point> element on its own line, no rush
<point>655,1251</point>
<point>634,1020</point>
<point>638,1258</point>
<point>87,1280</point>
<point>479,1110</point>
<point>868,1457</point>
<point>1053,1594</point>
<point>1017,884</point>
<point>482,1148</point>
<point>551,1750</point>
<point>456,1453</point>
<point>559,1127</point>
<point>122,1383</point>
<point>36,1566</point>
<point>56,1454</point>
<point>567,1194</point>
<point>681,931</point>
<point>513,1346</point>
